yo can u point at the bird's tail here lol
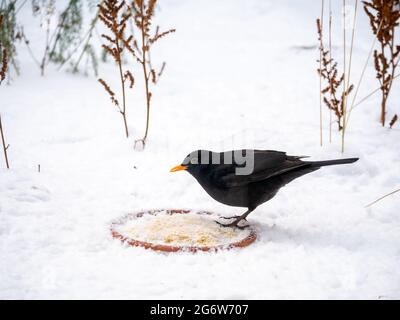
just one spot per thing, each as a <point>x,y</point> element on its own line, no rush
<point>333,162</point>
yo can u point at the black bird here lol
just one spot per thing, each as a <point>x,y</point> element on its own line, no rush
<point>218,174</point>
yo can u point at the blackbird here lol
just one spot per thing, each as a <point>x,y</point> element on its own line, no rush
<point>247,178</point>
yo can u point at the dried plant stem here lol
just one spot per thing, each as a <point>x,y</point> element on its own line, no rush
<point>334,81</point>
<point>110,13</point>
<point>389,87</point>
<point>320,78</point>
<point>146,77</point>
<point>344,73</point>
<point>144,12</point>
<point>21,6</point>
<point>3,72</point>
<point>53,38</point>
<point>26,41</point>
<point>46,50</point>
<point>5,146</point>
<point>353,104</point>
<point>352,39</point>
<point>123,110</point>
<point>144,61</point>
<point>384,96</point>
<point>387,14</point>
<point>85,40</point>
<point>346,83</point>
<point>330,65</point>
<point>393,121</point>
<point>371,94</point>
<point>84,47</point>
<point>381,198</point>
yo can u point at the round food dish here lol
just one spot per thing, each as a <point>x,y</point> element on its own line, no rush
<point>174,230</point>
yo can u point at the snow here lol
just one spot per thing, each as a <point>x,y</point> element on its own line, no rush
<point>236,77</point>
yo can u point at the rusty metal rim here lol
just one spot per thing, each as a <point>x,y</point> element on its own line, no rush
<point>167,248</point>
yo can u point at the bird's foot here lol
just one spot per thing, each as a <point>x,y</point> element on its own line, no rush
<point>232,217</point>
<point>234,224</point>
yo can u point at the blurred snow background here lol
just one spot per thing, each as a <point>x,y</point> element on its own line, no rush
<point>239,74</point>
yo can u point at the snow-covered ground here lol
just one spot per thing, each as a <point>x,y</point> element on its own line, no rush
<point>237,76</point>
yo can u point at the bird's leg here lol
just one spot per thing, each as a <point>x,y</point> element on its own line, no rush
<point>237,220</point>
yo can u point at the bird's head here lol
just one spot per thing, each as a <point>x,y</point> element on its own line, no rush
<point>195,162</point>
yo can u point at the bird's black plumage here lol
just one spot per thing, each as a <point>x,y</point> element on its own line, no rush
<point>217,174</point>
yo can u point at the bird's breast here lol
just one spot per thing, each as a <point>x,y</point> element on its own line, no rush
<point>236,196</point>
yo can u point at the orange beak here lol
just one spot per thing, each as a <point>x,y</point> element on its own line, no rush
<point>178,168</point>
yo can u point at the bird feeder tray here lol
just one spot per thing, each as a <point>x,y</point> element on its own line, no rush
<point>174,230</point>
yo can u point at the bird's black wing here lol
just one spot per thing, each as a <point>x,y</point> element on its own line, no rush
<point>267,164</point>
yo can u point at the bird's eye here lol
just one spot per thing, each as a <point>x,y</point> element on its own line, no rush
<point>193,161</point>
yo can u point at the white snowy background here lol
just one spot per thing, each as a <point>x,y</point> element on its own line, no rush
<point>237,75</point>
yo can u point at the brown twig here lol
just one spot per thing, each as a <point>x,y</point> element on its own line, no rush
<point>5,146</point>
<point>83,43</point>
<point>321,96</point>
<point>329,72</point>
<point>110,13</point>
<point>3,69</point>
<point>4,64</point>
<point>3,72</point>
<point>143,15</point>
<point>383,197</point>
<point>330,65</point>
<point>346,82</point>
<point>371,94</point>
<point>386,59</point>
<point>353,104</point>
<point>393,121</point>
<point>45,58</point>
<point>27,44</point>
